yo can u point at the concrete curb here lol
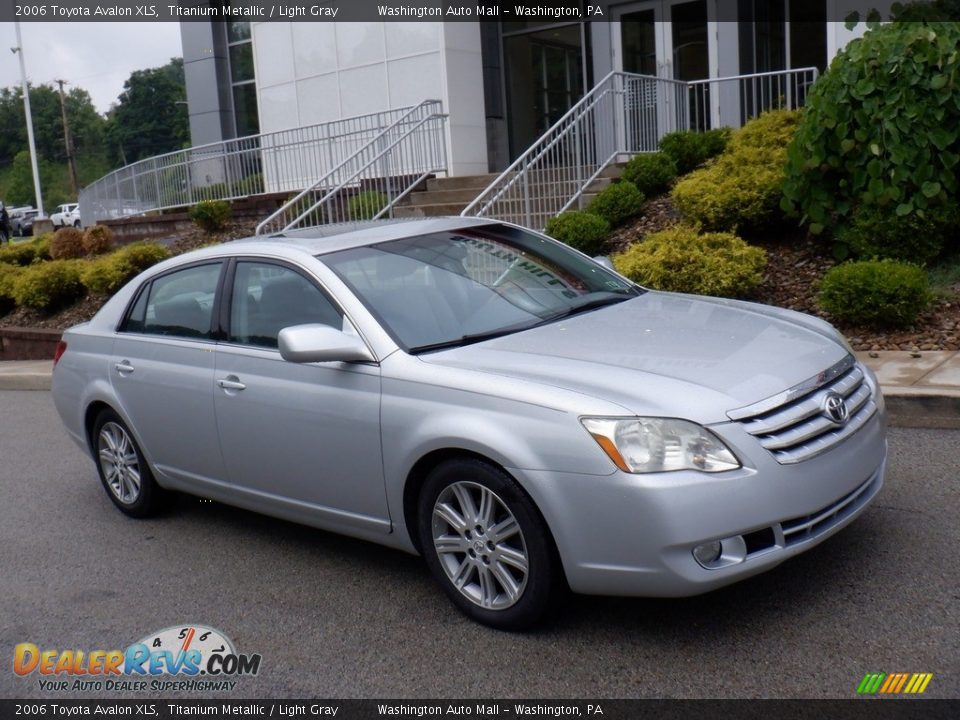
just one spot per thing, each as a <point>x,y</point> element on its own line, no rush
<point>26,374</point>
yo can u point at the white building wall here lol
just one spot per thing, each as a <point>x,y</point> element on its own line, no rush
<point>309,73</point>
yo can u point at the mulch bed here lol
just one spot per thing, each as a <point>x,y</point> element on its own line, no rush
<point>795,264</point>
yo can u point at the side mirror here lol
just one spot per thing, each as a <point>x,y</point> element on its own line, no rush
<point>605,261</point>
<point>321,343</point>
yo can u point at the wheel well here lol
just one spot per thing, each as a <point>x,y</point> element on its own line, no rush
<point>418,474</point>
<point>90,417</point>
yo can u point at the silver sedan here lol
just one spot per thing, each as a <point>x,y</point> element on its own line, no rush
<point>521,416</point>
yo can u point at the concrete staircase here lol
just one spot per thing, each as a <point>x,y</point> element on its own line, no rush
<point>449,196</point>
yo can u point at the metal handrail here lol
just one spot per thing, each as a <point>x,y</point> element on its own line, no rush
<point>622,115</point>
<point>390,166</point>
<point>270,162</point>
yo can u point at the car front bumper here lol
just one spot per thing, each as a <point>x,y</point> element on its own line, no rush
<point>626,534</point>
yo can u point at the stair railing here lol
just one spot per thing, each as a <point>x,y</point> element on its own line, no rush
<point>370,182</point>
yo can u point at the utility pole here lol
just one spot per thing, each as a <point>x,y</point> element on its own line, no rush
<point>26,108</point>
<point>68,140</point>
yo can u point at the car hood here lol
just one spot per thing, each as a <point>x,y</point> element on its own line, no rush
<point>663,353</point>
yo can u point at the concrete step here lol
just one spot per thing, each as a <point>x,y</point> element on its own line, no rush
<point>428,210</point>
<point>429,197</point>
<point>461,182</point>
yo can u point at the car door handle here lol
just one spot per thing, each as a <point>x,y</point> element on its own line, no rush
<point>231,382</point>
<point>124,367</point>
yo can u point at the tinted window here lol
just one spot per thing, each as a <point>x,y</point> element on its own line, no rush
<point>179,304</point>
<point>268,298</point>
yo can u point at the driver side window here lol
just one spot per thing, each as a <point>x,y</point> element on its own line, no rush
<point>268,297</point>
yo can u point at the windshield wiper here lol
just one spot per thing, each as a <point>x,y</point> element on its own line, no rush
<point>471,338</point>
<point>594,304</point>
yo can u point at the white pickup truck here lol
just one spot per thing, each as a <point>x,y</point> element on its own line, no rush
<point>67,215</point>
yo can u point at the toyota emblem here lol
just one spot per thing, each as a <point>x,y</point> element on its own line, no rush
<point>835,408</point>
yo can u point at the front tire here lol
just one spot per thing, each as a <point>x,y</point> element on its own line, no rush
<point>122,468</point>
<point>486,544</point>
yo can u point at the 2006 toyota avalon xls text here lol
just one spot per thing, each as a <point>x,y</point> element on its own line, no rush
<point>485,396</point>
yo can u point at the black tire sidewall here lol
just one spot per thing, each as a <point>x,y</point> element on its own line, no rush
<point>542,571</point>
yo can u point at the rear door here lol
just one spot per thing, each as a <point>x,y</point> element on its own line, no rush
<point>162,373</point>
<point>302,438</point>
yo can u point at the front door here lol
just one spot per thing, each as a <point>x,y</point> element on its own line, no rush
<point>668,39</point>
<point>301,439</point>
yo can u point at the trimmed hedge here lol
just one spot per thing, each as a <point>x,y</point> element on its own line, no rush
<point>877,293</point>
<point>740,191</point>
<point>680,259</point>
<point>881,233</point>
<point>652,173</point>
<point>8,274</point>
<point>211,215</point>
<point>690,149</point>
<point>581,230</point>
<point>67,243</point>
<point>48,286</point>
<point>617,203</point>
<point>97,239</point>
<point>365,205</point>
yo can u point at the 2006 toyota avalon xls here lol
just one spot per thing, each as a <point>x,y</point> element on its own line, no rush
<point>485,396</point>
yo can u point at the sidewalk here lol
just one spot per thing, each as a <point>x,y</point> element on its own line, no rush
<point>921,389</point>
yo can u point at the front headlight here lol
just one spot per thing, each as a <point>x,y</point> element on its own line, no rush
<point>645,445</point>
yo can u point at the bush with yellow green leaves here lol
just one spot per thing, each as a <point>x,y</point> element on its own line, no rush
<point>8,274</point>
<point>740,190</point>
<point>107,274</point>
<point>17,254</point>
<point>48,286</point>
<point>680,259</point>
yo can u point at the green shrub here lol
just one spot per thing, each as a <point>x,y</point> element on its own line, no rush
<point>680,259</point>
<point>365,205</point>
<point>740,190</point>
<point>48,286</point>
<point>881,127</point>
<point>8,273</point>
<point>18,254</point>
<point>140,256</point>
<point>106,275</point>
<point>877,293</point>
<point>211,215</point>
<point>690,149</point>
<point>652,173</point>
<point>618,203</point>
<point>67,243</point>
<point>880,233</point>
<point>41,247</point>
<point>581,230</point>
<point>97,239</point>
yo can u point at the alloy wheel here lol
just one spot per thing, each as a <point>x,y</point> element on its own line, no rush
<point>119,462</point>
<point>480,545</point>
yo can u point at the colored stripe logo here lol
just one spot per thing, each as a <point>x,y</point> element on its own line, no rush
<point>894,683</point>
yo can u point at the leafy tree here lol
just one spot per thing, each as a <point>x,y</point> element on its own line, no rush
<point>149,118</point>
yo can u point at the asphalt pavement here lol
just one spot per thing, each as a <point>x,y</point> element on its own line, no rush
<point>335,617</point>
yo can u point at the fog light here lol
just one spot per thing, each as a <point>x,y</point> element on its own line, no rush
<point>707,553</point>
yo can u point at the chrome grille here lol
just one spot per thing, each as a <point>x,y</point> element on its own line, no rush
<point>796,428</point>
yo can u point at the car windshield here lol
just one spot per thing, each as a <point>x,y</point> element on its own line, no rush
<point>456,287</point>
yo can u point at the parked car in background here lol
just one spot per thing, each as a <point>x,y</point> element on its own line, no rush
<point>67,215</point>
<point>21,221</point>
<point>485,396</point>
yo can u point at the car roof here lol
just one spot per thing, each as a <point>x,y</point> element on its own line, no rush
<point>344,236</point>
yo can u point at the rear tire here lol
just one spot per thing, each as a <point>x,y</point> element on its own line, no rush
<point>123,470</point>
<point>486,544</point>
